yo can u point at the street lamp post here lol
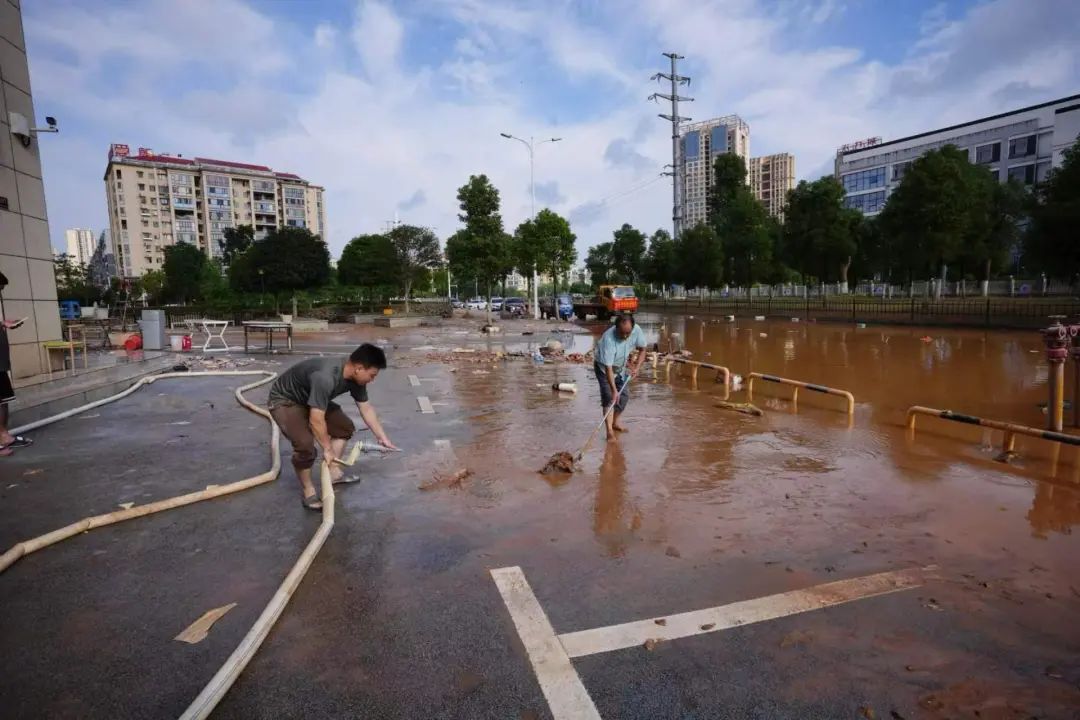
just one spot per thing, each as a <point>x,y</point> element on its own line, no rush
<point>529,144</point>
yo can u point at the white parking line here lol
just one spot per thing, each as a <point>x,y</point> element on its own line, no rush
<point>414,381</point>
<point>559,681</point>
<point>632,634</point>
<point>425,404</point>
<point>550,654</point>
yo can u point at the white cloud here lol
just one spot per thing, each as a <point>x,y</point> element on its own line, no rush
<point>377,37</point>
<point>325,36</point>
<point>385,140</point>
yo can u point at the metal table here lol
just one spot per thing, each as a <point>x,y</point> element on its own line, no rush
<point>215,330</point>
<point>269,327</point>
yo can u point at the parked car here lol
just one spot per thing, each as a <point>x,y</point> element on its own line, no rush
<point>515,307</point>
<point>496,304</point>
<point>456,304</point>
<point>476,303</point>
<point>566,307</point>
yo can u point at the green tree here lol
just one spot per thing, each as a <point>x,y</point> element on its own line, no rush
<point>526,251</point>
<point>236,241</point>
<point>481,249</point>
<point>661,265</point>
<point>928,217</point>
<point>417,252</point>
<point>153,284</point>
<point>550,241</point>
<point>72,280</point>
<point>740,221</point>
<point>600,264</point>
<point>1055,216</point>
<point>370,262</point>
<point>184,264</point>
<point>700,258</point>
<point>995,223</point>
<point>628,252</point>
<point>820,234</point>
<point>291,259</point>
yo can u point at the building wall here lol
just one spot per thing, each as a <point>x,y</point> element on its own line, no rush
<point>771,178</point>
<point>26,257</point>
<point>871,174</point>
<point>80,244</point>
<point>155,201</point>
<point>699,145</point>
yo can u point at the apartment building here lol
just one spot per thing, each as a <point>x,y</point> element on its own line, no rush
<point>80,245</point>
<point>155,201</point>
<point>1023,144</point>
<point>699,144</point>
<point>25,250</point>
<point>771,178</point>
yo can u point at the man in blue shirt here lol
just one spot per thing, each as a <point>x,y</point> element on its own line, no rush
<point>613,366</point>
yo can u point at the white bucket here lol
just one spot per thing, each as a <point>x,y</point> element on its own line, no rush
<point>176,342</point>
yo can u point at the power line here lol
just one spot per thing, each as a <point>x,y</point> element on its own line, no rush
<point>676,80</point>
<point>636,187</point>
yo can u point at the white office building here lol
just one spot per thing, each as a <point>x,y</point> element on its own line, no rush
<point>699,144</point>
<point>1023,144</point>
<point>80,245</point>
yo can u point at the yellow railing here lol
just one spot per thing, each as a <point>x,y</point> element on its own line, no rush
<point>796,385</point>
<point>1011,430</point>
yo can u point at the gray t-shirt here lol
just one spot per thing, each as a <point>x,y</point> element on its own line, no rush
<point>314,382</point>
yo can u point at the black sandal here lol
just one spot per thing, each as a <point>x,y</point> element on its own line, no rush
<point>312,501</point>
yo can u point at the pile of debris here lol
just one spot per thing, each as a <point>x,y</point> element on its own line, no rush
<point>205,363</point>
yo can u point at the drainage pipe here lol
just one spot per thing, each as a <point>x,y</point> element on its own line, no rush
<point>34,544</point>
<point>227,674</point>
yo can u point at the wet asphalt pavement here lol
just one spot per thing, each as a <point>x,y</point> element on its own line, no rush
<point>694,508</point>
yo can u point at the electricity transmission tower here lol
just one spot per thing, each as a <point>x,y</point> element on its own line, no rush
<point>676,80</point>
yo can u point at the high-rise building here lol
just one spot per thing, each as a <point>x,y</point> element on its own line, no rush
<point>80,245</point>
<point>771,178</point>
<point>1023,144</point>
<point>158,200</point>
<point>699,144</point>
<point>25,251</point>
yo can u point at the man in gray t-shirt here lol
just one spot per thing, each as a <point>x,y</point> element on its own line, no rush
<point>301,403</point>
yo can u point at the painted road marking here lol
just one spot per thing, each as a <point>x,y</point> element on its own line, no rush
<point>746,612</point>
<point>559,681</point>
<point>442,442</point>
<point>549,654</point>
<point>414,381</point>
<point>425,405</point>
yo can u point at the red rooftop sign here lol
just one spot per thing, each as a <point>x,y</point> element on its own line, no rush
<point>861,144</point>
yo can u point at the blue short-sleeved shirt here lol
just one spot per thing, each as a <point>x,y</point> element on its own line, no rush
<point>610,350</point>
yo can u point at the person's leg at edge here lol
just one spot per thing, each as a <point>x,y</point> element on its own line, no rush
<point>293,421</point>
<point>341,428</point>
<point>605,399</point>
<point>620,406</point>
<point>5,436</point>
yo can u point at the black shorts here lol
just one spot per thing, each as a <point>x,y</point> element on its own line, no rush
<point>7,393</point>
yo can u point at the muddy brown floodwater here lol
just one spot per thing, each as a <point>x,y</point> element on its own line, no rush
<point>704,504</point>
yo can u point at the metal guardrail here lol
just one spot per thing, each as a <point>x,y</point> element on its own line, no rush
<point>1011,430</point>
<point>695,366</point>
<point>797,384</point>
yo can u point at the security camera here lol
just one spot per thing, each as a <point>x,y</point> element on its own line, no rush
<point>51,122</point>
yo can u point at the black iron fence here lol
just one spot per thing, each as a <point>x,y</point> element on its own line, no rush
<point>983,312</point>
<point>176,315</point>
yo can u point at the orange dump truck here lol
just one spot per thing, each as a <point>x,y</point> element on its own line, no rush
<point>610,299</point>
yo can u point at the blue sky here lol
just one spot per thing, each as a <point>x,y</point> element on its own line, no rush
<point>392,105</point>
